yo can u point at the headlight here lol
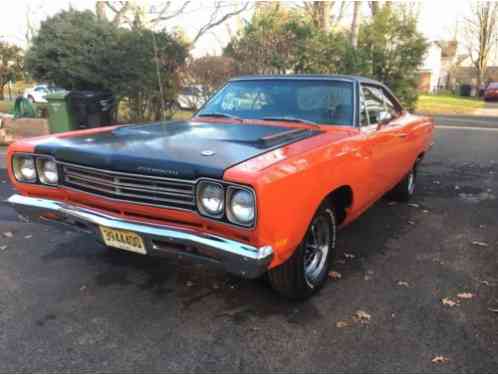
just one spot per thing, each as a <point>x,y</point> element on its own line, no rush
<point>47,171</point>
<point>24,168</point>
<point>211,198</point>
<point>241,207</point>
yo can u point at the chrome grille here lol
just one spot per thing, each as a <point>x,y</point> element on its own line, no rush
<point>129,187</point>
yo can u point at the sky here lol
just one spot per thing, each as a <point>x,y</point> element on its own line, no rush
<point>438,19</point>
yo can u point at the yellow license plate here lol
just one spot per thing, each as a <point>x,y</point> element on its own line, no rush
<point>123,239</point>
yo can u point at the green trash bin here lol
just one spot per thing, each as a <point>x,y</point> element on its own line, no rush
<point>60,118</point>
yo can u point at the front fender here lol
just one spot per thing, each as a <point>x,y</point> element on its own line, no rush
<point>290,191</point>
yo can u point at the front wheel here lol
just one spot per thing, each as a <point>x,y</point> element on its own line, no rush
<point>307,269</point>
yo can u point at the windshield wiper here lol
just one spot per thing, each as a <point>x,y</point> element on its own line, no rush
<point>219,114</point>
<point>290,119</point>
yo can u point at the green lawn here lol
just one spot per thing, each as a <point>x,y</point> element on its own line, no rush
<point>448,104</point>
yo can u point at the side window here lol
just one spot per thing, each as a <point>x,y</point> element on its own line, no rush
<point>391,107</point>
<point>374,101</point>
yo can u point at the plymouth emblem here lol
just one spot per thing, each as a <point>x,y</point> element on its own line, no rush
<point>208,153</point>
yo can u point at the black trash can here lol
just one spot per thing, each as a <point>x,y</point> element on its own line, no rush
<point>91,109</point>
<point>465,90</point>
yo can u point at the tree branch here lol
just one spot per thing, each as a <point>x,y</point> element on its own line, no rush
<point>213,21</point>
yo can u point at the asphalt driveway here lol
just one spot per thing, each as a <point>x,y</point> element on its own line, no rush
<point>67,304</point>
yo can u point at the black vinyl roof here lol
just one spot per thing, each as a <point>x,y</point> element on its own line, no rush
<point>317,77</point>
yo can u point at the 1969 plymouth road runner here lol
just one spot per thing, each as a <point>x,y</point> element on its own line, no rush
<point>258,181</point>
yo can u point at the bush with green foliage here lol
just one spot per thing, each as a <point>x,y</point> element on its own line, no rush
<point>76,50</point>
<point>390,49</point>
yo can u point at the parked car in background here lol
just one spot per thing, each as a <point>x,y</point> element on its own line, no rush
<point>37,93</point>
<point>491,91</point>
<point>259,181</point>
<point>192,97</point>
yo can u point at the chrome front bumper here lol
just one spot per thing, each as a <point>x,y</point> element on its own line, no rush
<point>236,257</point>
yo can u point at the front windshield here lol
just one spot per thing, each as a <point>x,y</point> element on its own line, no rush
<point>320,101</point>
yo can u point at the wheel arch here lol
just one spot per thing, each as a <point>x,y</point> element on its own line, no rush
<point>341,198</point>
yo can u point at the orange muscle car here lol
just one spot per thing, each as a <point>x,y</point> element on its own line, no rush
<point>258,181</point>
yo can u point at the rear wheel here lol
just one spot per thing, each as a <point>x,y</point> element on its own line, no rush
<point>306,270</point>
<point>406,188</point>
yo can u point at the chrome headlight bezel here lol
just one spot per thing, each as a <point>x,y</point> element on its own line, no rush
<point>203,184</point>
<point>232,191</point>
<point>40,163</point>
<point>17,160</point>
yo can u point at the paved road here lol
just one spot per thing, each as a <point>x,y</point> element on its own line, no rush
<point>467,121</point>
<point>68,305</point>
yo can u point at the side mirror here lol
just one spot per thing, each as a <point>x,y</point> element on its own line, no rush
<point>383,119</point>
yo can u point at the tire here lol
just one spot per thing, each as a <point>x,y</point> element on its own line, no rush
<point>297,278</point>
<point>406,188</point>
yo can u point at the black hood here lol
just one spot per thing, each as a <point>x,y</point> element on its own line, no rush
<point>185,150</point>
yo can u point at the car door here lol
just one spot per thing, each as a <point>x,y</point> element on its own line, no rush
<point>402,128</point>
<point>381,140</point>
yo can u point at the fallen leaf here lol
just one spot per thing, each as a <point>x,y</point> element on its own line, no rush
<point>335,275</point>
<point>440,359</point>
<point>411,222</point>
<point>341,324</point>
<point>2,248</point>
<point>392,203</point>
<point>425,211</point>
<point>403,283</point>
<point>349,256</point>
<point>83,287</point>
<point>189,284</point>
<point>28,236</point>
<point>448,302</point>
<point>436,182</point>
<point>485,282</point>
<point>8,234</point>
<point>457,187</point>
<point>414,205</point>
<point>493,310</point>
<point>479,243</point>
<point>362,316</point>
<point>366,277</point>
<point>465,295</point>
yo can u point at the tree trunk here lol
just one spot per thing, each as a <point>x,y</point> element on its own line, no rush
<point>100,10</point>
<point>321,14</point>
<point>2,85</point>
<point>355,25</point>
<point>374,7</point>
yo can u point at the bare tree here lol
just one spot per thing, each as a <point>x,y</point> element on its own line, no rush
<point>325,14</point>
<point>134,13</point>
<point>481,32</point>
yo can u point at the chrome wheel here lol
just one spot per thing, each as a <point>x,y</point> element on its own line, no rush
<point>316,249</point>
<point>411,183</point>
